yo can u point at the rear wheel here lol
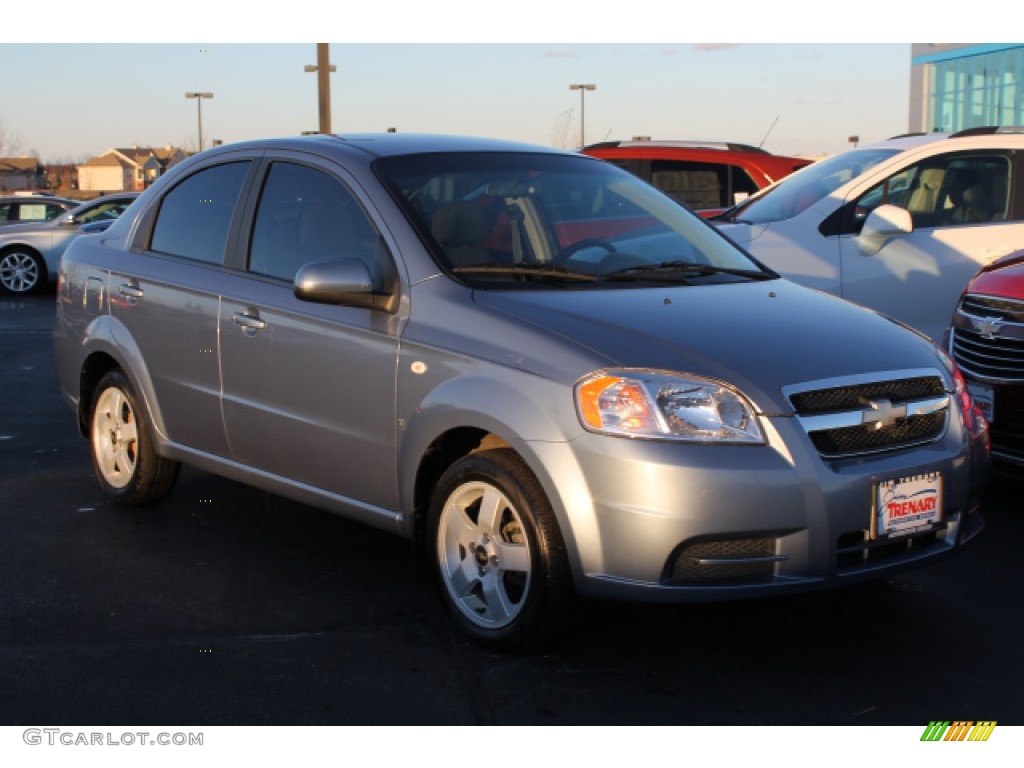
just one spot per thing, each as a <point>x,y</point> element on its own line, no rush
<point>21,270</point>
<point>126,463</point>
<point>499,556</point>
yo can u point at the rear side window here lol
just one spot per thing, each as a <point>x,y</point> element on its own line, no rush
<point>195,216</point>
<point>701,185</point>
<point>29,211</point>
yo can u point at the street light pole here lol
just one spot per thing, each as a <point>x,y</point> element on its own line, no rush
<point>323,69</point>
<point>582,88</point>
<point>199,96</point>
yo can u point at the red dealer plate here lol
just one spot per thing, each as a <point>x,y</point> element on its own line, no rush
<point>907,504</point>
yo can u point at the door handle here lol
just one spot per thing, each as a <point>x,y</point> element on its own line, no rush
<point>249,323</point>
<point>130,292</point>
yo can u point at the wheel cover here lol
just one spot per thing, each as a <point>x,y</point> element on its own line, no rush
<point>115,437</point>
<point>484,555</point>
<point>19,272</point>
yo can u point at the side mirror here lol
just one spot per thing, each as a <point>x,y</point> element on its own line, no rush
<point>883,224</point>
<point>340,281</point>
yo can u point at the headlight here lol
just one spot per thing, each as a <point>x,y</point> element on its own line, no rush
<point>661,405</point>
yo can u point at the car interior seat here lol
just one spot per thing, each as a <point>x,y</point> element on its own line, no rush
<point>461,229</point>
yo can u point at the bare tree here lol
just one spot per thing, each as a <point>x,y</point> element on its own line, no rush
<point>10,142</point>
<point>561,131</point>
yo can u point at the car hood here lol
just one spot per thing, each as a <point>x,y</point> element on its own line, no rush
<point>758,336</point>
<point>1004,278</point>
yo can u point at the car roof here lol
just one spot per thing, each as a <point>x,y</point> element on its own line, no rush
<point>912,140</point>
<point>104,198</point>
<point>721,146</point>
<point>36,199</point>
<point>393,144</point>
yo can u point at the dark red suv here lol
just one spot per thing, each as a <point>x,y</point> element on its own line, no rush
<point>706,176</point>
<point>987,341</point>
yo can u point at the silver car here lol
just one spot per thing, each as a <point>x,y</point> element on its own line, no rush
<point>30,253</point>
<point>542,369</point>
<point>21,209</point>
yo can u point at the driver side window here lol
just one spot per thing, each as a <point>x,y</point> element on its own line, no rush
<point>950,190</point>
<point>306,215</point>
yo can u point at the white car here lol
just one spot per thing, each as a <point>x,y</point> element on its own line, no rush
<point>900,226</point>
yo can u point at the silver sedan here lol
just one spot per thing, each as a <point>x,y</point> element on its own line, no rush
<point>30,253</point>
<point>547,373</point>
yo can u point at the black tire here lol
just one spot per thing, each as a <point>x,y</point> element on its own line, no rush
<point>124,458</point>
<point>22,271</point>
<point>498,555</point>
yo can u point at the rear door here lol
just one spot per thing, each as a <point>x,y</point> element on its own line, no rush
<point>166,294</point>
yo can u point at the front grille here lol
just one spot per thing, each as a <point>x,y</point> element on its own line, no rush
<point>850,419</point>
<point>854,396</point>
<point>990,358</point>
<point>1007,310</point>
<point>745,560</point>
<point>865,438</point>
<point>988,338</point>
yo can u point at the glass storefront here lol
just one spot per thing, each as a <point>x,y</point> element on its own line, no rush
<point>971,90</point>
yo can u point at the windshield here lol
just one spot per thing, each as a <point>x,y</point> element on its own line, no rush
<point>108,210</point>
<point>798,192</point>
<point>524,220</point>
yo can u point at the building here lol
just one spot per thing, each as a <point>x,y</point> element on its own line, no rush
<point>134,168</point>
<point>20,174</point>
<point>954,86</point>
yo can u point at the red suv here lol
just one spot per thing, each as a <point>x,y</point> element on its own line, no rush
<point>987,341</point>
<point>706,176</point>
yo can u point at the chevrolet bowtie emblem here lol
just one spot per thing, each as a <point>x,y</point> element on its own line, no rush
<point>988,327</point>
<point>882,414</point>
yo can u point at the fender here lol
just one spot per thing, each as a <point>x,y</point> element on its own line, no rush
<point>105,334</point>
<point>534,415</point>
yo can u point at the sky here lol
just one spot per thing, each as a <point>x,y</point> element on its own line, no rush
<point>782,79</point>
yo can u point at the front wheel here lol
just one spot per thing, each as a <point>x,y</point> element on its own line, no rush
<point>127,466</point>
<point>499,555</point>
<point>21,271</point>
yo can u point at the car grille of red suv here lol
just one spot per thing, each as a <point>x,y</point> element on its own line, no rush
<point>988,340</point>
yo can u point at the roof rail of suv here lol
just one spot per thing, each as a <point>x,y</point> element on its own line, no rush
<point>984,130</point>
<point>645,142</point>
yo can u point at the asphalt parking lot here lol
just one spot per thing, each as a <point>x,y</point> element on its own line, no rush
<point>226,605</point>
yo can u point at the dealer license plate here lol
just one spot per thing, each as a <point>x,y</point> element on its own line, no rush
<point>984,397</point>
<point>907,504</point>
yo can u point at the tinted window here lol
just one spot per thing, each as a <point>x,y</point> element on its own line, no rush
<point>105,211</point>
<point>306,215</point>
<point>943,191</point>
<point>494,218</point>
<point>701,185</point>
<point>195,216</point>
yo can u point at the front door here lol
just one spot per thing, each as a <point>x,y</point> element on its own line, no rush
<point>309,389</point>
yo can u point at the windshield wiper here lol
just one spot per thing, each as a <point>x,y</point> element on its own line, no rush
<point>532,270</point>
<point>686,268</point>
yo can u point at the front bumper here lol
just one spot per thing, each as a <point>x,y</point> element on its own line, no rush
<point>667,521</point>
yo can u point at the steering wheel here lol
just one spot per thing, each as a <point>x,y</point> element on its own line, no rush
<point>588,242</point>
